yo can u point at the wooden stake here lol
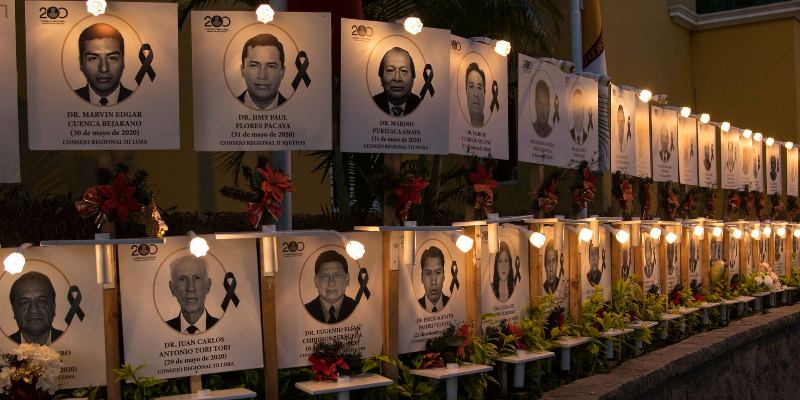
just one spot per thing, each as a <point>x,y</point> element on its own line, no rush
<point>534,269</point>
<point>473,279</point>
<point>572,249</point>
<point>269,335</point>
<point>111,322</point>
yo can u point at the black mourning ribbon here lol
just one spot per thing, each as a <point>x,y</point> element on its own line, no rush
<point>301,62</point>
<point>495,106</point>
<point>363,278</point>
<point>556,117</point>
<point>591,125</point>
<point>229,283</point>
<point>518,277</point>
<point>427,74</point>
<point>454,282</point>
<point>147,64</point>
<point>74,298</point>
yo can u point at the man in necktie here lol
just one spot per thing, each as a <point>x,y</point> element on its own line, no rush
<point>331,278</point>
<point>432,262</point>
<point>189,283</point>
<point>397,74</point>
<point>33,302</point>
<point>102,60</point>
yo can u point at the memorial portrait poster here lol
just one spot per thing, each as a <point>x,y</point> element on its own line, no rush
<point>673,268</point>
<point>642,125</point>
<point>687,148</point>
<point>184,315</point>
<point>395,88</point>
<point>254,84</point>
<point>478,100</point>
<point>56,301</point>
<point>106,82</point>
<point>625,255</point>
<point>695,258</point>
<point>432,291</point>
<point>9,124</point>
<point>792,171</point>
<point>747,170</point>
<point>322,294</point>
<point>707,155</point>
<point>757,177</point>
<point>554,273</point>
<point>582,141</point>
<point>623,130</point>
<point>780,260</point>
<point>664,122</point>
<point>733,258</point>
<point>774,164</point>
<point>505,275</point>
<point>730,159</point>
<point>651,281</point>
<point>595,265</point>
<point>542,124</point>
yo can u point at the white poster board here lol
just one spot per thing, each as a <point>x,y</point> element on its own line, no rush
<point>664,124</point>
<point>687,146</point>
<point>795,253</point>
<point>478,100</point>
<point>757,177</point>
<point>582,141</point>
<point>708,155</point>
<point>254,83</point>
<point>774,165</point>
<point>314,274</point>
<point>9,124</point>
<point>651,281</point>
<point>623,130</point>
<point>792,171</point>
<point>733,258</point>
<point>395,88</point>
<point>673,268</point>
<point>695,257</point>
<point>780,261</point>
<point>730,158</point>
<point>505,276</point>
<point>596,266</point>
<point>432,291</point>
<point>184,315</point>
<point>747,169</point>
<point>554,276</point>
<point>643,164</point>
<point>69,318</point>
<point>542,111</point>
<point>108,82</point>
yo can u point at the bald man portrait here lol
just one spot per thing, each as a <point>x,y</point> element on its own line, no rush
<point>102,60</point>
<point>33,301</point>
<point>190,284</point>
<point>397,74</point>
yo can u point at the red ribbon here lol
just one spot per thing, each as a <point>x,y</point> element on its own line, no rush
<point>327,370</point>
<point>273,188</point>
<point>104,201</point>
<point>407,193</point>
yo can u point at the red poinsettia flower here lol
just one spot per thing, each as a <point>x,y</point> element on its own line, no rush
<point>483,184</point>
<point>275,183</point>
<point>627,190</point>
<point>107,201</point>
<point>407,193</point>
<point>675,298</point>
<point>517,333</point>
<point>432,360</point>
<point>548,200</point>
<point>327,369</point>
<point>699,297</point>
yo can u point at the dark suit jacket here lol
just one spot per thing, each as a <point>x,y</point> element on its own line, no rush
<point>123,93</point>
<point>383,102</point>
<point>314,307</point>
<point>281,99</point>
<point>175,323</point>
<point>551,285</point>
<point>54,335</point>
<point>422,301</point>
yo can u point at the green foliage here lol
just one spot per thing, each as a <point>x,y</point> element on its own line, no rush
<point>406,386</point>
<point>91,393</point>
<point>498,335</point>
<point>141,388</point>
<point>624,297</point>
<point>653,306</point>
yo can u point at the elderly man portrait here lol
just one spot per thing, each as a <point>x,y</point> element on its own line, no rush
<point>190,284</point>
<point>262,69</point>
<point>33,301</point>
<point>397,74</point>
<point>541,105</point>
<point>476,94</point>
<point>102,59</point>
<point>331,278</point>
<point>432,275</point>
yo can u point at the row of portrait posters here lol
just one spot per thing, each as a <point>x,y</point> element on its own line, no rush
<point>254,83</point>
<point>56,301</point>
<point>630,133</point>
<point>322,294</point>
<point>557,115</point>
<point>102,82</point>
<point>184,315</point>
<point>478,100</point>
<point>505,279</point>
<point>595,264</point>
<point>9,124</point>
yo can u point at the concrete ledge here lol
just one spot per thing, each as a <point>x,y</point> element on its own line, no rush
<point>756,357</point>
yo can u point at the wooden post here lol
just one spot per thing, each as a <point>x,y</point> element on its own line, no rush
<point>572,247</point>
<point>687,237</point>
<point>269,335</point>
<point>391,287</point>
<point>662,264</point>
<point>534,269</point>
<point>638,261</point>
<point>473,278</point>
<point>704,267</point>
<point>111,319</point>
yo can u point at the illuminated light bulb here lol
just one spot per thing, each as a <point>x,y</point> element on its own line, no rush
<point>355,249</point>
<point>655,233</point>
<point>705,118</point>
<point>796,233</point>
<point>14,263</point>
<point>463,242</point>
<point>726,126</point>
<point>586,235</point>
<point>781,231</point>
<point>537,239</point>
<point>645,95</point>
<point>413,25</point>
<point>758,136</point>
<point>747,133</point>
<point>769,141</point>
<point>698,231</point>
<point>767,231</point>
<point>198,246</point>
<point>671,237</point>
<point>96,7</point>
<point>737,233</point>
<point>502,47</point>
<point>788,145</point>
<point>686,112</point>
<point>265,14</point>
<point>755,234</point>
<point>622,236</point>
<point>717,231</point>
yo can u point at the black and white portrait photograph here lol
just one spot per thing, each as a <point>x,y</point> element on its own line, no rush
<point>545,105</point>
<point>733,255</point>
<point>665,148</point>
<point>780,264</point>
<point>505,281</point>
<point>543,111</point>
<point>688,150</point>
<point>189,283</point>
<point>331,278</point>
<point>792,172</point>
<point>595,266</point>
<point>582,119</point>
<point>650,269</point>
<point>263,69</point>
<point>504,275</point>
<point>432,276</point>
<point>101,53</point>
<point>554,276</point>
<point>774,162</point>
<point>397,73</point>
<point>627,262</point>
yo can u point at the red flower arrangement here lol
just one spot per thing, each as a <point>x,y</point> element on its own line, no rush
<point>711,203</point>
<point>647,206</point>
<point>408,192</point>
<point>778,209</point>
<point>673,201</point>
<point>584,190</point>
<point>624,192</point>
<point>273,187</point>
<point>327,370</point>
<point>734,201</point>
<point>109,202</point>
<point>330,359</point>
<point>448,347</point>
<point>483,185</point>
<point>547,199</point>
<point>749,202</point>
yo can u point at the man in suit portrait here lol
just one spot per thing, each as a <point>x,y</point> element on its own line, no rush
<point>541,105</point>
<point>476,94</point>
<point>550,266</point>
<point>666,149</point>
<point>432,262</point>
<point>331,278</point>
<point>190,284</point>
<point>33,301</point>
<point>595,273</point>
<point>102,59</point>
<point>397,74</point>
<point>577,132</point>
<point>262,69</point>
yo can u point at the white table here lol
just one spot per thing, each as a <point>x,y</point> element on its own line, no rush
<point>705,306</point>
<point>609,335</point>
<point>343,387</point>
<point>227,394</point>
<point>665,318</point>
<point>759,300</point>
<point>450,375</point>
<point>641,325</point>
<point>565,343</point>
<point>519,360</point>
